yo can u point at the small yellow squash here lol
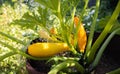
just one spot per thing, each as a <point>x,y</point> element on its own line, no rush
<point>47,49</point>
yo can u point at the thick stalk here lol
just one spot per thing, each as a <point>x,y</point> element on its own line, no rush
<point>110,24</point>
<point>92,29</point>
<point>67,64</point>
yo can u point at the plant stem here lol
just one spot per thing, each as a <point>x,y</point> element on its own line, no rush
<point>84,9</point>
<point>60,18</point>
<point>65,58</point>
<point>31,57</point>
<point>101,50</point>
<point>79,23</point>
<point>18,51</point>
<point>64,32</point>
<point>7,55</point>
<point>72,26</point>
<point>91,53</point>
<point>92,29</point>
<point>8,46</point>
<point>72,23</point>
<point>67,64</point>
<point>13,38</point>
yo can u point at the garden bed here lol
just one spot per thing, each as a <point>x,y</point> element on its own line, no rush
<point>109,61</point>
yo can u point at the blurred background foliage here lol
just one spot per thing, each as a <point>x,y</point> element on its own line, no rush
<point>14,10</point>
<point>11,10</point>
<point>105,11</point>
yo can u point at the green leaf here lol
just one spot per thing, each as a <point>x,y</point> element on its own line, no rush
<point>55,4</point>
<point>28,21</point>
<point>38,18</point>
<point>43,16</point>
<point>52,4</point>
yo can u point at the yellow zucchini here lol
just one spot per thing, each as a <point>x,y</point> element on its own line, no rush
<point>47,49</point>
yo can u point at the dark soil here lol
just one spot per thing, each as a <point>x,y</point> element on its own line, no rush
<point>38,67</point>
<point>106,64</point>
<point>111,58</point>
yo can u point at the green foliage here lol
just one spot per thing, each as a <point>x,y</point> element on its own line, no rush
<point>102,48</point>
<point>116,26</point>
<point>10,2</point>
<point>104,33</point>
<point>52,4</point>
<point>12,65</point>
<point>10,36</point>
<point>107,7</point>
<point>27,23</point>
<point>102,23</point>
<point>25,26</point>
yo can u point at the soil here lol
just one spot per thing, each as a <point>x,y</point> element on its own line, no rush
<point>37,67</point>
<point>106,64</point>
<point>111,58</point>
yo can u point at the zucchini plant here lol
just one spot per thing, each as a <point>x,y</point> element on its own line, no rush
<point>70,36</point>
